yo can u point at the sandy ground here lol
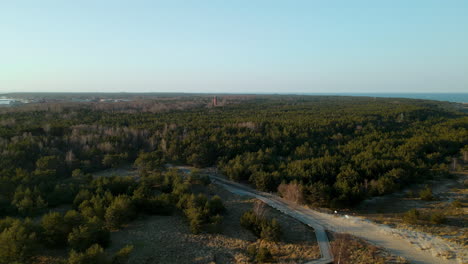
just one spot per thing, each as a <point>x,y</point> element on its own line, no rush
<point>448,239</point>
<point>122,172</point>
<point>150,237</point>
<point>418,249</point>
<point>166,239</point>
<point>446,190</point>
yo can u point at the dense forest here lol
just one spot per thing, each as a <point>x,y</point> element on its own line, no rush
<point>328,151</point>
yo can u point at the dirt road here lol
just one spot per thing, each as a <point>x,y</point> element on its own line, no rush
<point>379,235</point>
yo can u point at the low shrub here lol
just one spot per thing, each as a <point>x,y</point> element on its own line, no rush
<point>96,255</point>
<point>411,217</point>
<point>265,229</point>
<point>202,212</point>
<point>263,255</point>
<point>259,254</point>
<point>426,194</point>
<point>437,218</point>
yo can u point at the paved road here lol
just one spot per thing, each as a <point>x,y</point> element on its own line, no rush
<point>322,238</point>
<point>374,233</point>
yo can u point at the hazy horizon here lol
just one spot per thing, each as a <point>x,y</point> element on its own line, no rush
<point>234,47</point>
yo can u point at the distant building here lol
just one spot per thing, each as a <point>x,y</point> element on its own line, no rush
<point>215,101</point>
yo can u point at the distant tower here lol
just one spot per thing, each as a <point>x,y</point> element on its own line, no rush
<point>215,101</point>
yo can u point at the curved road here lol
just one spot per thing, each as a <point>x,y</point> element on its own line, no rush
<point>374,233</point>
<point>322,238</point>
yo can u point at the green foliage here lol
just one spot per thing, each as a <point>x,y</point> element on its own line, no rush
<point>269,230</point>
<point>318,194</point>
<point>6,223</point>
<point>150,161</point>
<point>92,255</point>
<point>77,174</point>
<point>115,185</point>
<point>387,183</point>
<point>215,205</point>
<point>426,194</point>
<point>114,160</point>
<point>259,254</point>
<point>412,216</point>
<point>55,228</point>
<point>215,224</point>
<point>120,212</point>
<point>146,202</point>
<point>121,257</point>
<point>437,218</point>
<point>73,219</point>
<point>92,232</point>
<point>195,216</point>
<point>265,141</point>
<point>50,165</point>
<point>336,151</point>
<point>96,255</point>
<point>82,196</point>
<point>250,221</point>
<point>264,181</point>
<point>96,205</point>
<point>195,177</point>
<point>202,212</point>
<point>18,242</point>
<point>62,194</point>
<point>263,255</point>
<point>28,202</point>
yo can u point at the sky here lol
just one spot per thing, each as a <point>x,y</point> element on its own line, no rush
<point>238,46</point>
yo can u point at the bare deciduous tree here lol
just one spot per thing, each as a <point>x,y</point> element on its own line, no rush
<point>259,209</point>
<point>292,192</point>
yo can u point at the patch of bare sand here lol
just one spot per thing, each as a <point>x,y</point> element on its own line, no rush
<point>448,239</point>
<point>121,172</point>
<point>167,239</point>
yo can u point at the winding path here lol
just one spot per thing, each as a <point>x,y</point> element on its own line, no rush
<point>374,233</point>
<point>322,238</point>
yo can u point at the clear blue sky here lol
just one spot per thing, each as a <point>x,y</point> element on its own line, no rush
<point>286,46</point>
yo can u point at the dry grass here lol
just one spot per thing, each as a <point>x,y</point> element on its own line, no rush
<point>390,209</point>
<point>167,239</point>
<point>351,250</point>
